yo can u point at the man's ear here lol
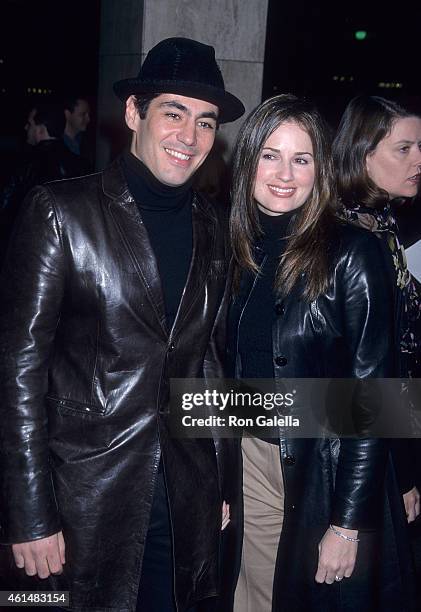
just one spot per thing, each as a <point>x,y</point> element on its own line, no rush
<point>67,114</point>
<point>132,114</point>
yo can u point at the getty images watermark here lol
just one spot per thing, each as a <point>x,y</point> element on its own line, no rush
<point>300,408</point>
<point>233,401</point>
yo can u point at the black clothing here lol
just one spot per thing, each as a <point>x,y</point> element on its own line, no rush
<point>306,332</point>
<point>407,312</point>
<point>346,332</point>
<point>49,160</point>
<point>382,222</point>
<point>408,217</point>
<point>156,589</point>
<point>166,213</point>
<point>150,194</point>
<point>255,330</point>
<point>86,359</point>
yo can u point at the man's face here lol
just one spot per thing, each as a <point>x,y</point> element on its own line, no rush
<point>78,120</point>
<point>175,137</point>
<point>32,130</point>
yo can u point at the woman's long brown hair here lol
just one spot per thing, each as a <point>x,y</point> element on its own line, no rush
<point>365,122</point>
<point>306,251</point>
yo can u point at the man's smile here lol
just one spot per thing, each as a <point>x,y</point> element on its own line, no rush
<point>177,154</point>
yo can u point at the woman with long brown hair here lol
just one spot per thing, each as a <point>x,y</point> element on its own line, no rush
<point>309,302</point>
<point>377,154</point>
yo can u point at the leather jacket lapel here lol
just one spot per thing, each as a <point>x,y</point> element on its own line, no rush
<point>204,227</point>
<point>135,238</point>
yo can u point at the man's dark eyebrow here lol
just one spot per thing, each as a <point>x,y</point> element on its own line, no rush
<point>174,104</point>
<point>184,109</point>
<point>209,115</point>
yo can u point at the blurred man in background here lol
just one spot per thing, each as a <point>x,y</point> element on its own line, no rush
<point>77,114</point>
<point>48,159</point>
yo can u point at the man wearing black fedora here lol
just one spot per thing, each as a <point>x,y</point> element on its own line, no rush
<point>113,284</point>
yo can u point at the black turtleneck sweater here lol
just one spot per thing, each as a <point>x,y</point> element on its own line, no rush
<point>255,333</point>
<point>166,213</point>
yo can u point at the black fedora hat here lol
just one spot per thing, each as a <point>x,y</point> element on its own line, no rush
<point>185,67</point>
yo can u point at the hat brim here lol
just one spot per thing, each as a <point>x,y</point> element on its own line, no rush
<point>230,107</point>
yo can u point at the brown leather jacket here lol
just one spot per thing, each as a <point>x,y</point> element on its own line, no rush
<point>86,359</point>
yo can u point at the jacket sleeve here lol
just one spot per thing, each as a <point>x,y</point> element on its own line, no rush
<point>215,357</point>
<point>32,290</point>
<point>214,362</point>
<point>368,327</point>
<point>228,451</point>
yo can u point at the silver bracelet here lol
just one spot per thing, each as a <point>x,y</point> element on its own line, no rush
<point>342,535</point>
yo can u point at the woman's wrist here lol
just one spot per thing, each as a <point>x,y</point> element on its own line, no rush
<point>351,535</point>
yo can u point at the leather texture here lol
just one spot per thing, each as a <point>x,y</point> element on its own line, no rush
<point>347,332</point>
<point>86,358</point>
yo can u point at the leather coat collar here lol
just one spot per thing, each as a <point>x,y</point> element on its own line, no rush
<point>126,215</point>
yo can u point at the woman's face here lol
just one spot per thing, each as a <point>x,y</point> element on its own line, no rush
<point>285,172</point>
<point>395,164</point>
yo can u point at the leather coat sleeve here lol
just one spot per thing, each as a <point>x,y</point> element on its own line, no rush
<point>368,322</point>
<point>32,291</point>
<point>227,450</point>
<point>214,363</point>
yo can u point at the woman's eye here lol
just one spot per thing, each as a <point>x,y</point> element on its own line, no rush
<point>404,149</point>
<point>301,160</point>
<point>268,156</point>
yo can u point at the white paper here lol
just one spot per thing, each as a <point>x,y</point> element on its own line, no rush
<point>413,257</point>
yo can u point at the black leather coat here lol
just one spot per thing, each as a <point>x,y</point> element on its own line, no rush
<point>86,359</point>
<point>346,332</point>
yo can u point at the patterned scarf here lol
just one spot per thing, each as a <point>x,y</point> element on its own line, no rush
<point>382,222</point>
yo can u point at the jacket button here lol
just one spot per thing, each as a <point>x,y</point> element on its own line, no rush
<point>280,309</point>
<point>171,347</point>
<point>289,460</point>
<point>281,361</point>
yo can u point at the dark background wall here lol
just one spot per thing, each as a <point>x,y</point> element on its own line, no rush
<point>49,47</point>
<point>312,50</point>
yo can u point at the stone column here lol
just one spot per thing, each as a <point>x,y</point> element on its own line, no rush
<point>129,28</point>
<point>120,53</point>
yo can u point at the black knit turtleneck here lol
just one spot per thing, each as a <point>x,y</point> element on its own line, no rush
<point>166,213</point>
<point>255,333</point>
